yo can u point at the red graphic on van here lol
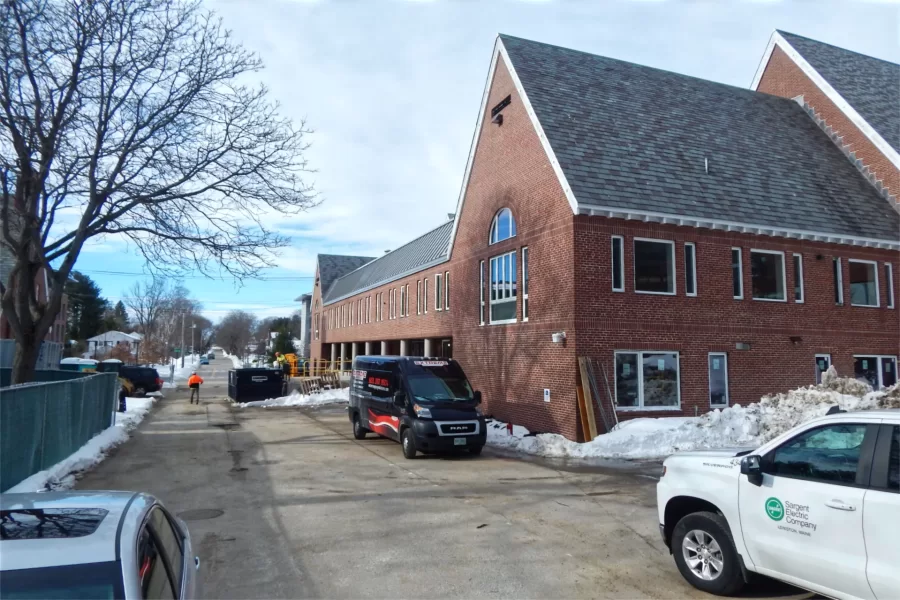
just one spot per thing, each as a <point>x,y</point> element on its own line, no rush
<point>378,423</point>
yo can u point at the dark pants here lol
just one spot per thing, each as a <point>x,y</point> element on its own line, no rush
<point>195,391</point>
<point>122,397</point>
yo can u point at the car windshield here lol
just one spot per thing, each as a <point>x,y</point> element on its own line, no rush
<point>88,581</point>
<point>438,380</point>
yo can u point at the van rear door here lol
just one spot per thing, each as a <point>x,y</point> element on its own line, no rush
<point>379,412</point>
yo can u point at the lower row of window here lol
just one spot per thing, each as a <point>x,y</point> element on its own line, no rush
<point>653,379</point>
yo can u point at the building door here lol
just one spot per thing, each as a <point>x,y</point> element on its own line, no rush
<point>416,347</point>
<point>446,348</point>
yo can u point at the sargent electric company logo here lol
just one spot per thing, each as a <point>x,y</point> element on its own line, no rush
<point>774,509</point>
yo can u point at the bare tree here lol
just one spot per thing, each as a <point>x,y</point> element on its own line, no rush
<point>129,118</point>
<point>148,301</point>
<point>235,332</point>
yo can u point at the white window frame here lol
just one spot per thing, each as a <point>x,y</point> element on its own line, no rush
<point>402,299</point>
<point>368,308</point>
<point>525,255</point>
<point>438,290</point>
<point>816,363</point>
<point>481,291</point>
<point>418,296</point>
<point>889,276</point>
<point>693,248</point>
<point>740,263</point>
<point>724,356</point>
<point>879,368</point>
<point>643,408</point>
<point>840,279</point>
<point>446,290</point>
<point>612,257</point>
<point>513,230</point>
<point>492,302</point>
<point>784,287</point>
<point>317,319</point>
<point>425,295</point>
<point>406,304</point>
<point>877,288</point>
<point>671,244</point>
<point>798,277</point>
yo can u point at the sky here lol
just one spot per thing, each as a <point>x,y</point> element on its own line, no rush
<point>391,90</point>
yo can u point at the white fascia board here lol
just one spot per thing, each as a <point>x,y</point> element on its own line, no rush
<point>867,130</point>
<point>500,52</point>
<point>750,228</point>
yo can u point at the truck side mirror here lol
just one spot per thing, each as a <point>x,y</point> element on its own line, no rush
<point>399,399</point>
<point>751,466</point>
<point>476,395</point>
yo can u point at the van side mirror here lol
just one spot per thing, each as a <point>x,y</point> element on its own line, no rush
<point>399,399</point>
<point>751,466</point>
<point>476,395</point>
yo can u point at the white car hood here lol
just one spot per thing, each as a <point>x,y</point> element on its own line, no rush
<point>718,453</point>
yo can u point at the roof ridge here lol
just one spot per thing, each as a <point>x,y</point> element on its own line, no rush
<point>432,230</point>
<point>641,66</point>
<point>783,33</point>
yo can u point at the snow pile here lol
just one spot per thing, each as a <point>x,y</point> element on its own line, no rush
<point>236,362</point>
<point>181,373</point>
<point>322,398</point>
<point>62,475</point>
<point>735,426</point>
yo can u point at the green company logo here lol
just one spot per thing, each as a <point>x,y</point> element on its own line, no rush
<point>774,509</point>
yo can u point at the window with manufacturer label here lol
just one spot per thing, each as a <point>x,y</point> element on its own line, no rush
<point>823,362</point>
<point>829,454</point>
<point>647,380</point>
<point>170,540</point>
<point>152,575</point>
<point>654,266</point>
<point>878,371</point>
<point>718,379</point>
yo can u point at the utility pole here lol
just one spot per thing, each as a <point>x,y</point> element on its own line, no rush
<point>193,347</point>
<point>182,340</point>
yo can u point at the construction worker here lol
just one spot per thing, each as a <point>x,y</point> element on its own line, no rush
<point>194,382</point>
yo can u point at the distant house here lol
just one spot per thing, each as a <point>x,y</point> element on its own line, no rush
<point>100,345</point>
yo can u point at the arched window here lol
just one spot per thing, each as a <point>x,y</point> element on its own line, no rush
<point>503,226</point>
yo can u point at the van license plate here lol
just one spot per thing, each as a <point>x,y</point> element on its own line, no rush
<point>459,441</point>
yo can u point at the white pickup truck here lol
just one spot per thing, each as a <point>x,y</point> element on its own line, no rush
<point>818,507</point>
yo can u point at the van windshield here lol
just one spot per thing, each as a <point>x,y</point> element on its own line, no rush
<point>438,380</point>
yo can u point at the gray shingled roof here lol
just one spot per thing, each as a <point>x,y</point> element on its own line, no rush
<point>633,137</point>
<point>870,85</point>
<point>332,266</point>
<point>424,251</point>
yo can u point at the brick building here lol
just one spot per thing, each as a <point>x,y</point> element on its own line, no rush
<point>704,244</point>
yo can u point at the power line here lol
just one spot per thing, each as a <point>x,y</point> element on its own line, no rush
<point>140,274</point>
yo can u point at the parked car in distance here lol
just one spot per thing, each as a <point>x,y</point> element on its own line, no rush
<point>204,360</point>
<point>211,355</point>
<point>94,545</point>
<point>426,404</point>
<point>144,379</point>
<point>817,507</point>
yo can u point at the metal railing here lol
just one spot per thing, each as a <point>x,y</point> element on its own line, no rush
<point>44,422</point>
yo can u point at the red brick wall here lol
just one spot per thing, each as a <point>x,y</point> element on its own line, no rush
<point>782,77</point>
<point>714,321</point>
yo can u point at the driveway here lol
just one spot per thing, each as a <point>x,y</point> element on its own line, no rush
<point>284,503</point>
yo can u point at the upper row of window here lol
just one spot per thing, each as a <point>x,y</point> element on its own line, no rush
<point>654,273</point>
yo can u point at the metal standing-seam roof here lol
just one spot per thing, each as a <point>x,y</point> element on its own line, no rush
<point>332,266</point>
<point>423,252</point>
<point>630,137</point>
<point>870,85</point>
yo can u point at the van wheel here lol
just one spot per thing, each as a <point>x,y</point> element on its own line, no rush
<point>705,555</point>
<point>409,443</point>
<point>359,432</point>
<point>476,450</point>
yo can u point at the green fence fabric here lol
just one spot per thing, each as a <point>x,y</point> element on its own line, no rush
<point>43,423</point>
<point>42,376</point>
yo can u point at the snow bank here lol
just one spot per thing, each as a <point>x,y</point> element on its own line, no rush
<point>180,372</point>
<point>735,426</point>
<point>62,475</point>
<point>322,398</point>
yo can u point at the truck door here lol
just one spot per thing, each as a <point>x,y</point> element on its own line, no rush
<point>379,409</point>
<point>804,523</point>
<point>881,524</point>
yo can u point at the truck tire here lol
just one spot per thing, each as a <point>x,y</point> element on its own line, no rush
<point>704,553</point>
<point>408,441</point>
<point>359,432</point>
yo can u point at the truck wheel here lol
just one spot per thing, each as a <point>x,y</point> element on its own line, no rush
<point>705,555</point>
<point>139,392</point>
<point>409,443</point>
<point>359,432</point>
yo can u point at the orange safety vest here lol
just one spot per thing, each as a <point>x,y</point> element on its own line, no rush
<point>195,380</point>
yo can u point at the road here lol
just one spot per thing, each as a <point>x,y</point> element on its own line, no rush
<point>284,503</point>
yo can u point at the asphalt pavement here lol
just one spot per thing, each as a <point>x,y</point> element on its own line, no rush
<point>284,503</point>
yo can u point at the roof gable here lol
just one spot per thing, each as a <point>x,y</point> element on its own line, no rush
<point>426,250</point>
<point>870,85</point>
<point>332,266</point>
<point>634,138</point>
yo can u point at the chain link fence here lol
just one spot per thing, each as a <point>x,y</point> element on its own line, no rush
<point>42,423</point>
